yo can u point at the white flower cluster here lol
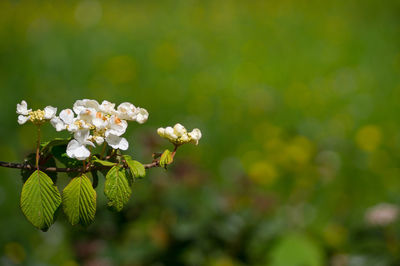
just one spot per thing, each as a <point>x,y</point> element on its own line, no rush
<point>89,121</point>
<point>36,117</point>
<point>103,121</point>
<point>178,134</point>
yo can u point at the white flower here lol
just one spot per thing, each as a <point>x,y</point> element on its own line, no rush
<point>142,115</point>
<point>195,136</point>
<point>107,108</point>
<point>81,105</point>
<point>49,112</point>
<point>67,116</point>
<point>77,147</point>
<point>170,133</point>
<point>64,121</point>
<point>87,115</point>
<point>22,119</point>
<point>74,126</point>
<point>100,121</point>
<point>22,108</point>
<point>23,111</point>
<point>117,142</point>
<point>161,132</point>
<point>179,130</point>
<point>99,140</point>
<point>127,111</point>
<point>58,124</point>
<point>117,126</point>
<point>179,135</point>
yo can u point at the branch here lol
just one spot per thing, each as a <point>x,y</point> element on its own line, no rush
<point>66,170</point>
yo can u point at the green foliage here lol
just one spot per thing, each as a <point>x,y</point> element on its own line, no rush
<point>46,146</point>
<point>97,161</point>
<point>136,168</point>
<point>166,158</point>
<point>117,188</point>
<point>295,249</point>
<point>40,200</point>
<point>79,201</point>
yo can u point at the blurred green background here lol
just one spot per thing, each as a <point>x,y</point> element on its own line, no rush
<point>298,102</point>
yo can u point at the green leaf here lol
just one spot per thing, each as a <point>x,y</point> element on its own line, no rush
<point>117,188</point>
<point>102,162</point>
<point>40,200</point>
<point>79,201</point>
<point>46,146</point>
<point>136,168</point>
<point>166,158</point>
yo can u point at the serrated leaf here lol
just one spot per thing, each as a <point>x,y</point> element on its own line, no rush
<point>116,188</point>
<point>166,158</point>
<point>40,200</point>
<point>79,201</point>
<point>136,168</point>
<point>95,160</point>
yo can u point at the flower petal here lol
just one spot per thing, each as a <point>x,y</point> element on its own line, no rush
<point>81,135</point>
<point>22,119</point>
<point>67,116</point>
<point>49,112</point>
<point>179,130</point>
<point>22,108</point>
<point>117,142</point>
<point>77,150</point>
<point>142,115</point>
<point>58,124</point>
<point>126,111</point>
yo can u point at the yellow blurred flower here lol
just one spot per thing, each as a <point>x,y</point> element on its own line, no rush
<point>369,137</point>
<point>335,235</point>
<point>263,173</point>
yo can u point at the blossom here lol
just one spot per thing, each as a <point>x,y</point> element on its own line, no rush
<point>76,148</point>
<point>179,135</point>
<point>103,121</point>
<point>107,108</point>
<point>49,112</point>
<point>22,108</point>
<point>117,142</point>
<point>64,121</point>
<point>195,136</point>
<point>142,115</point>
<point>126,111</point>
<point>81,105</point>
<point>37,117</point>
<point>116,126</point>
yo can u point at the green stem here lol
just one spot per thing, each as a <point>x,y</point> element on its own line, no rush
<point>103,150</point>
<point>38,148</point>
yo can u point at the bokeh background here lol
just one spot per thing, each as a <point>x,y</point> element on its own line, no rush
<point>298,102</point>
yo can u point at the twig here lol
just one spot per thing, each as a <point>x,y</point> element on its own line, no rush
<point>65,170</point>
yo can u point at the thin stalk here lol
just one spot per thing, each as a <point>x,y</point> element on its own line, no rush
<point>38,148</point>
<point>103,150</point>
